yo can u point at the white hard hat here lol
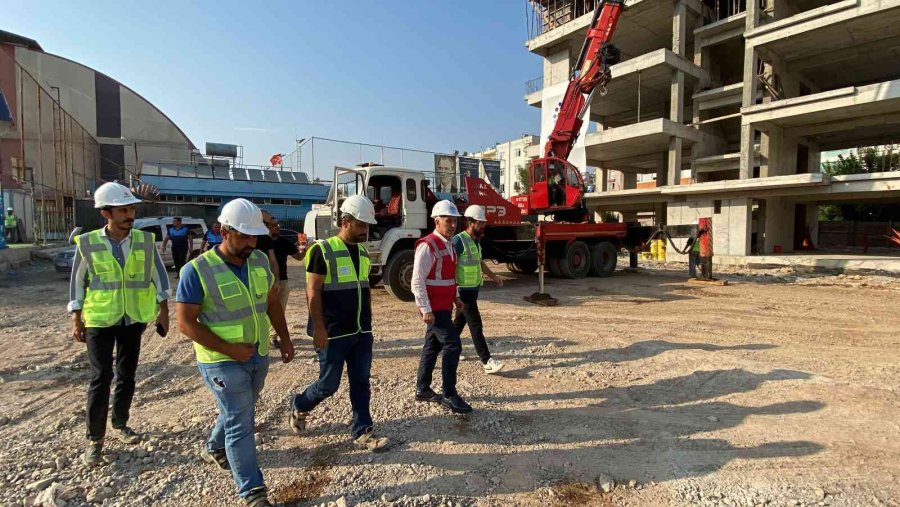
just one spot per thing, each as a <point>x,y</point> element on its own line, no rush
<point>360,208</point>
<point>476,212</point>
<point>243,216</point>
<point>9,208</point>
<point>113,194</point>
<point>444,208</point>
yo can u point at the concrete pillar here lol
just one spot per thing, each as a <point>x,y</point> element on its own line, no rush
<point>748,152</point>
<point>629,216</point>
<point>603,174</point>
<point>779,225</point>
<point>629,181</point>
<point>662,170</point>
<point>812,221</point>
<point>771,150</point>
<point>673,162</point>
<point>732,227</point>
<point>659,213</point>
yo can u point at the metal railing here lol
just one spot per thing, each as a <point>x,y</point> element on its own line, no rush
<point>541,16</point>
<point>534,85</point>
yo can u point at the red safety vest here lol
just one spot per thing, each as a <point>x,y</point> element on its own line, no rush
<point>441,282</point>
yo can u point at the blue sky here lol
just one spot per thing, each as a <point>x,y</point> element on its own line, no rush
<point>423,74</point>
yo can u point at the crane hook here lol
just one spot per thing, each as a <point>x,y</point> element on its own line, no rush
<point>602,89</point>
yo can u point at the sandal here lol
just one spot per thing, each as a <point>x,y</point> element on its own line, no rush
<point>257,498</point>
<point>217,458</point>
<point>297,421</point>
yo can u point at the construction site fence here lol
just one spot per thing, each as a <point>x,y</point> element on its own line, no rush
<point>318,156</point>
<point>855,234</point>
<point>51,157</point>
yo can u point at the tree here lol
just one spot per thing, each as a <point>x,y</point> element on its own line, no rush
<point>864,160</point>
<point>521,178</point>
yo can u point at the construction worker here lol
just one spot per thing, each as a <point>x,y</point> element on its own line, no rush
<point>225,304</point>
<point>281,249</point>
<point>11,226</point>
<point>212,238</point>
<point>469,279</point>
<point>182,243</point>
<point>340,321</point>
<point>118,286</point>
<point>694,255</point>
<point>434,288</point>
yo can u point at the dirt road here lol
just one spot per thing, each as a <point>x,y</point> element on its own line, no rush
<point>770,391</point>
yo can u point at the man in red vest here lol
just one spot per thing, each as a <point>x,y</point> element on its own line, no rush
<point>434,287</point>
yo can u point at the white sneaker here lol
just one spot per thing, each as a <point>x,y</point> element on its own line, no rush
<point>491,367</point>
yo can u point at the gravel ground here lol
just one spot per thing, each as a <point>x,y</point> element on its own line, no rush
<point>778,389</point>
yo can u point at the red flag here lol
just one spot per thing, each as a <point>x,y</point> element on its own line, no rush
<point>277,159</point>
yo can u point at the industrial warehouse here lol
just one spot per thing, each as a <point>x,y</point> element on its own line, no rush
<point>669,277</point>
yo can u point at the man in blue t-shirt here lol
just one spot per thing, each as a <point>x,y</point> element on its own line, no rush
<point>182,243</point>
<point>212,238</point>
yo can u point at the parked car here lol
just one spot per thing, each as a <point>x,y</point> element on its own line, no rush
<point>159,226</point>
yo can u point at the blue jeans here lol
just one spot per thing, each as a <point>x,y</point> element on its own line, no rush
<point>356,351</point>
<point>236,387</point>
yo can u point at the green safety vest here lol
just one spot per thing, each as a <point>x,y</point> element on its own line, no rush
<point>346,297</point>
<point>10,221</point>
<point>468,266</point>
<point>234,312</point>
<point>113,292</point>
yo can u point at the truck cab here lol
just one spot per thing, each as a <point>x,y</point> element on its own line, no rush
<point>402,200</point>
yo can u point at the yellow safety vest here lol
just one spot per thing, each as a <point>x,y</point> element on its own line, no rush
<point>346,298</point>
<point>113,292</point>
<point>10,221</point>
<point>235,312</point>
<point>468,266</point>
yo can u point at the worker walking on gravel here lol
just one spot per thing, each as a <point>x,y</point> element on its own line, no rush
<point>11,226</point>
<point>434,288</point>
<point>225,304</point>
<point>470,269</point>
<point>118,286</point>
<point>340,321</point>
<point>182,243</point>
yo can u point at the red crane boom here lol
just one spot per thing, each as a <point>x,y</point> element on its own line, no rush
<point>556,186</point>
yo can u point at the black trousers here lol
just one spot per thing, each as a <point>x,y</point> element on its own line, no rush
<point>100,343</point>
<point>179,255</point>
<point>440,336</point>
<point>471,316</point>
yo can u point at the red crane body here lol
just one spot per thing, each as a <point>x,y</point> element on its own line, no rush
<point>556,186</point>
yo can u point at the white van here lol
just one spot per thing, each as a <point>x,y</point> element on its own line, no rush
<point>159,226</point>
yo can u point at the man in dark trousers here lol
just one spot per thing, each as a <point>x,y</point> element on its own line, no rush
<point>434,288</point>
<point>469,278</point>
<point>282,249</point>
<point>118,286</point>
<point>182,243</point>
<point>340,321</point>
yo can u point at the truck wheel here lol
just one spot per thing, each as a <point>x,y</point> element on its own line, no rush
<point>398,275</point>
<point>603,259</point>
<point>576,261</point>
<point>553,264</point>
<point>524,267</point>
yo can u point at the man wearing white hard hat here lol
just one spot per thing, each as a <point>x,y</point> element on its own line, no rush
<point>225,303</point>
<point>340,321</point>
<point>470,273</point>
<point>434,287</point>
<point>118,286</point>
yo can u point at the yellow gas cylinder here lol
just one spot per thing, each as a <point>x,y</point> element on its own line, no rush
<point>654,249</point>
<point>662,250</point>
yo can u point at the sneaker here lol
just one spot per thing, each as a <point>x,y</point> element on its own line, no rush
<point>217,458</point>
<point>428,395</point>
<point>93,455</point>
<point>491,366</point>
<point>456,404</point>
<point>297,421</point>
<point>257,497</point>
<point>371,441</point>
<point>126,435</point>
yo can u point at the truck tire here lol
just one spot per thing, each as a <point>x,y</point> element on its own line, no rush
<point>553,264</point>
<point>398,275</point>
<point>576,261</point>
<point>603,259</point>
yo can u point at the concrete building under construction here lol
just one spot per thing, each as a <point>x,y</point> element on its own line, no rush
<point>729,105</point>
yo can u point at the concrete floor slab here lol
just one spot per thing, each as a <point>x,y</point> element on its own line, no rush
<point>813,260</point>
<point>635,140</point>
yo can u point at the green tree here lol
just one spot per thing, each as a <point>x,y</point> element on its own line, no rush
<point>521,178</point>
<point>864,160</point>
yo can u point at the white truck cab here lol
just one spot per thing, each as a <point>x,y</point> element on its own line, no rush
<point>402,198</point>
